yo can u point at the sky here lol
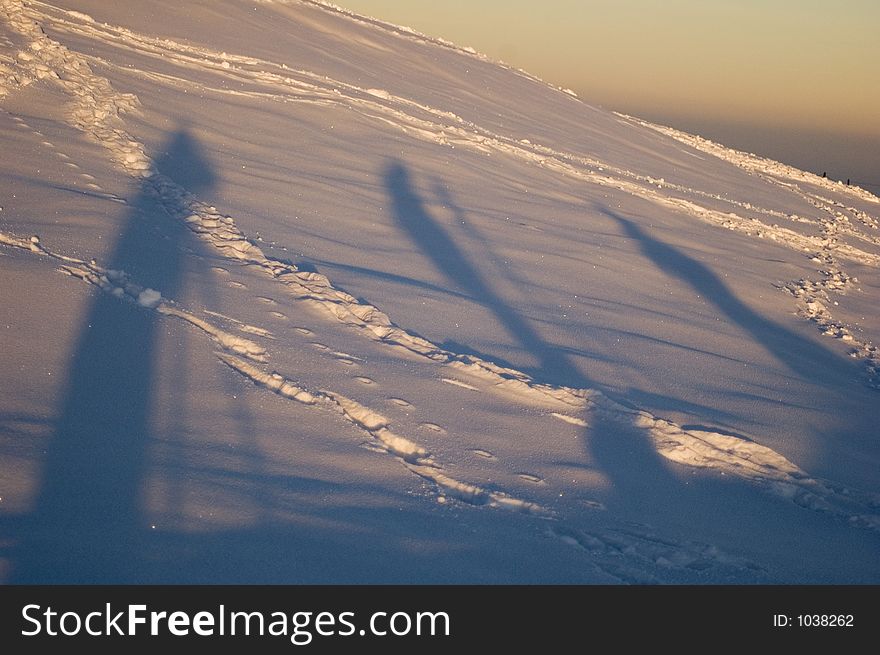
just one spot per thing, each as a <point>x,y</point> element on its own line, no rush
<point>796,80</point>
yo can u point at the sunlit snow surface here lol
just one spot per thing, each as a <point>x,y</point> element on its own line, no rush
<point>292,295</point>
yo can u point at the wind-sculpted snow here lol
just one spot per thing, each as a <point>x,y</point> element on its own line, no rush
<point>836,220</point>
<point>102,113</point>
<point>413,456</point>
<point>118,284</point>
<point>421,121</point>
<point>438,126</point>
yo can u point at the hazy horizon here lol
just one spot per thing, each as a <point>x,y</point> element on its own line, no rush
<point>795,81</point>
<point>842,156</point>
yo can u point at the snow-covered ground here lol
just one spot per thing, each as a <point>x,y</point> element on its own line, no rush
<point>293,295</point>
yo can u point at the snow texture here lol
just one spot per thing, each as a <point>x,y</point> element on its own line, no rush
<point>480,294</point>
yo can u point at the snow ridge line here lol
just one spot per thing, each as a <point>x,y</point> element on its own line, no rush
<point>228,64</point>
<point>703,449</point>
<point>118,284</point>
<point>96,111</point>
<point>416,459</point>
<point>318,88</point>
<point>812,297</point>
<point>605,549</point>
<point>626,555</point>
<point>398,30</point>
<point>752,162</point>
<point>748,460</point>
<point>406,32</point>
<point>96,108</point>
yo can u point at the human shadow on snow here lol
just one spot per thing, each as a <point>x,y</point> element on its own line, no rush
<point>642,486</point>
<point>622,453</point>
<point>800,357</point>
<point>88,517</point>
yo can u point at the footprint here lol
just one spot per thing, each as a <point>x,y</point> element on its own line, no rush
<point>266,301</point>
<point>433,427</point>
<point>400,402</point>
<point>96,187</point>
<point>236,285</point>
<point>464,385</point>
<point>303,330</point>
<point>347,362</point>
<point>364,380</point>
<point>319,346</point>
<point>278,315</point>
<point>253,329</point>
<point>528,477</point>
<point>61,155</point>
<point>485,454</point>
<point>48,144</point>
<point>219,270</point>
<point>70,164</point>
<point>346,356</point>
<point>223,316</point>
<point>37,133</point>
<point>86,176</point>
<point>573,420</point>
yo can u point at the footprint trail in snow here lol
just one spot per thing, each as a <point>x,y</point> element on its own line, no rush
<point>99,111</point>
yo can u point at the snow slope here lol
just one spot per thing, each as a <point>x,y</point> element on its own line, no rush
<point>293,295</point>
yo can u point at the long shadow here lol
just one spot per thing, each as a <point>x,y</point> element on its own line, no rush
<point>435,243</point>
<point>799,356</point>
<point>386,276</point>
<point>637,473</point>
<point>802,358</point>
<point>837,387</point>
<point>643,487</point>
<point>88,519</point>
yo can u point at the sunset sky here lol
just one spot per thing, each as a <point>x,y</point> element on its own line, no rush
<point>798,78</point>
